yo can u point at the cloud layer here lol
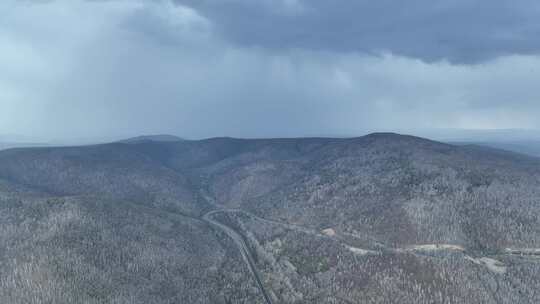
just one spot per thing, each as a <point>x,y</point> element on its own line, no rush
<point>73,69</point>
<point>460,31</point>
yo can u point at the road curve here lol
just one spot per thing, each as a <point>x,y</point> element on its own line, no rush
<point>244,251</point>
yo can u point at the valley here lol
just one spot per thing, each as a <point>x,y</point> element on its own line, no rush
<point>311,220</point>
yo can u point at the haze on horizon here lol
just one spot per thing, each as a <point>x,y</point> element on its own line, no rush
<point>268,68</point>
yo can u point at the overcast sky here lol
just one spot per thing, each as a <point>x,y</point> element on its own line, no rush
<point>258,68</point>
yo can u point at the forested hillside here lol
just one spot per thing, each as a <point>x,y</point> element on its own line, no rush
<point>383,218</point>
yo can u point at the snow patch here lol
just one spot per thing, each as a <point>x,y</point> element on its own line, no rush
<point>491,264</point>
<point>329,232</point>
<point>435,247</point>
<point>361,251</point>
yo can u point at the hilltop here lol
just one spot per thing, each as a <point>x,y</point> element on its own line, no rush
<point>325,220</point>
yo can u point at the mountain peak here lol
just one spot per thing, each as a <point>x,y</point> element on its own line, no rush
<point>151,138</point>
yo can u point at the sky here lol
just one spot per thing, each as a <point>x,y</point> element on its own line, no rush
<point>73,69</point>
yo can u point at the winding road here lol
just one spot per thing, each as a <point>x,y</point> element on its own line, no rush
<point>422,249</point>
<point>240,243</point>
<point>238,240</point>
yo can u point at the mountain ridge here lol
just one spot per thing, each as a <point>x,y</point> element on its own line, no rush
<point>354,214</point>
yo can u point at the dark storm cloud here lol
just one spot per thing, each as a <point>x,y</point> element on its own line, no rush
<point>461,31</point>
<point>74,68</point>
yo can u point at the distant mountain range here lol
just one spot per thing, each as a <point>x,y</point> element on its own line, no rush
<point>468,135</point>
<point>520,141</point>
<point>5,142</point>
<point>531,148</point>
<point>515,140</point>
<point>151,138</point>
<point>9,145</point>
<point>382,218</point>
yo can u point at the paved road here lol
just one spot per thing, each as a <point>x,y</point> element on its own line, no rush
<point>246,255</point>
<point>269,221</point>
